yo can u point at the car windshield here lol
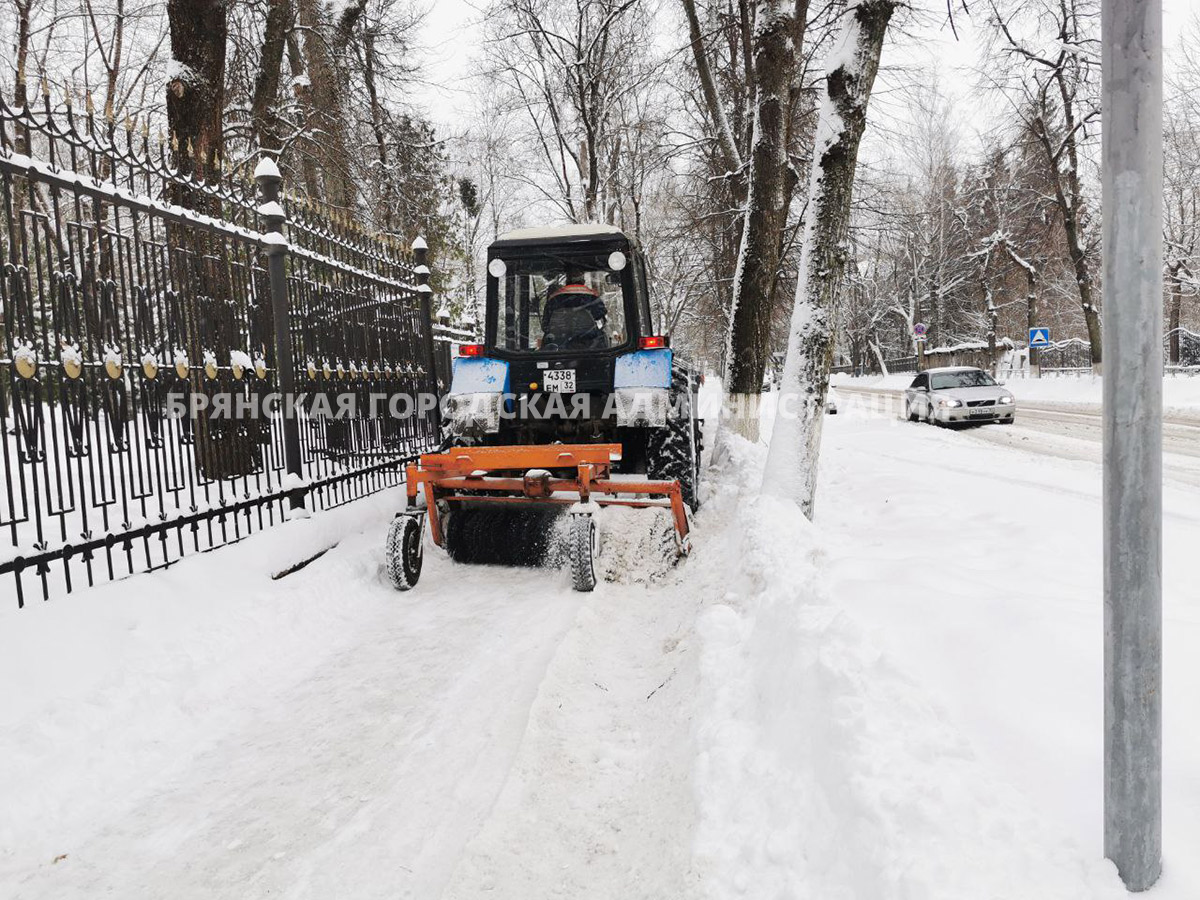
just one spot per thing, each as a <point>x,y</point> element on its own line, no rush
<point>941,381</point>
<point>560,302</point>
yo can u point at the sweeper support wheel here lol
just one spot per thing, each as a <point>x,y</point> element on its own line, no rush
<point>403,553</point>
<point>581,551</point>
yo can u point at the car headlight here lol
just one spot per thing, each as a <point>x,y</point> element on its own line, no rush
<point>950,403</point>
<point>1006,400</point>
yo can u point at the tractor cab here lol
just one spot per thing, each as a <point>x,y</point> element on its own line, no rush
<point>563,303</point>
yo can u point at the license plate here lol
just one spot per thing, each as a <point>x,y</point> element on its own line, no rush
<point>559,381</point>
<point>982,413</point>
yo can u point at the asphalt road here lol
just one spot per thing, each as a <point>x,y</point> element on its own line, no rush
<point>1068,431</point>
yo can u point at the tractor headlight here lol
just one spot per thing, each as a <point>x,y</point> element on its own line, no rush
<point>470,414</point>
<point>646,407</point>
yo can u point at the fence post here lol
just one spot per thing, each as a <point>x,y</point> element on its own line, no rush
<point>266,175</point>
<point>421,270</point>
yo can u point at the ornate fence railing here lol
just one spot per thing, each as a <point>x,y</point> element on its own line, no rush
<point>135,302</point>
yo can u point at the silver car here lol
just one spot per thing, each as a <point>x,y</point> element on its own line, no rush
<point>958,395</point>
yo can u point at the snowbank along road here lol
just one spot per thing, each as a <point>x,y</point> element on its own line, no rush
<point>1067,430</point>
<point>793,712</point>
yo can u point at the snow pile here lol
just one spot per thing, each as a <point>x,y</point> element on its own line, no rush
<point>240,359</point>
<point>821,770</point>
<point>182,72</point>
<point>23,352</point>
<point>637,545</point>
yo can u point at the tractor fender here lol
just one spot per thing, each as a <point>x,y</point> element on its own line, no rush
<point>643,369</point>
<point>481,375</point>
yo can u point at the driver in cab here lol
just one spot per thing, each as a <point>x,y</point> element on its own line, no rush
<point>574,317</point>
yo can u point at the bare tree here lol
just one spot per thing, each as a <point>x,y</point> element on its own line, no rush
<point>1051,48</point>
<point>791,469</point>
<point>569,67</point>
<point>1181,187</point>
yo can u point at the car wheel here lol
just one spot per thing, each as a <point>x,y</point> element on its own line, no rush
<point>909,413</point>
<point>929,416</point>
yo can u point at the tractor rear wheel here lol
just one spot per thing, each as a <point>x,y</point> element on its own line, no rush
<point>673,452</point>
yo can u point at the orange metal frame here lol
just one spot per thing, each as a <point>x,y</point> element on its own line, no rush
<point>522,475</point>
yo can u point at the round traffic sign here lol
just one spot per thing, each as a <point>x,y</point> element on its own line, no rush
<point>920,329</point>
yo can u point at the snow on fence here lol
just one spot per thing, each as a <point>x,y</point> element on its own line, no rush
<point>127,289</point>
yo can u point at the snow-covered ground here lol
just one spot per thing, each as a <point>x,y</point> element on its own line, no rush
<point>902,701</point>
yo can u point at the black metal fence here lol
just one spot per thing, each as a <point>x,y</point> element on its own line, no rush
<point>902,364</point>
<point>1067,355</point>
<point>127,292</point>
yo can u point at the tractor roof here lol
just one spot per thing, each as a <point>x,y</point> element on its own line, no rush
<point>561,234</point>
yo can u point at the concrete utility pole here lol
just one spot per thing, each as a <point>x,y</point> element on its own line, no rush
<point>1131,34</point>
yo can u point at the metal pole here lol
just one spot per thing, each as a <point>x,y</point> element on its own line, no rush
<point>269,181</point>
<point>1131,34</point>
<point>425,293</point>
<point>1035,355</point>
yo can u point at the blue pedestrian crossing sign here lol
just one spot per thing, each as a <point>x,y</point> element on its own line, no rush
<point>1039,337</point>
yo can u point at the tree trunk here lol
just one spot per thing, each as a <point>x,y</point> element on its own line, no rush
<point>1071,223</point>
<point>196,92</point>
<point>1176,309</point>
<point>195,103</point>
<point>1031,303</point>
<point>327,101</point>
<point>791,470</point>
<point>266,82</point>
<point>1068,197</point>
<point>775,58</point>
<point>385,174</point>
<point>1083,279</point>
<point>308,163</point>
<point>712,98</point>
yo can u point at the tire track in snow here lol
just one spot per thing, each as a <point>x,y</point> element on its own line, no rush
<point>367,777</point>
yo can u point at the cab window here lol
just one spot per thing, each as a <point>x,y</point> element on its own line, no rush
<point>560,303</point>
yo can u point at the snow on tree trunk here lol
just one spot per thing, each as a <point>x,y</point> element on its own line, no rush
<point>883,369</point>
<point>775,57</point>
<point>791,469</point>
